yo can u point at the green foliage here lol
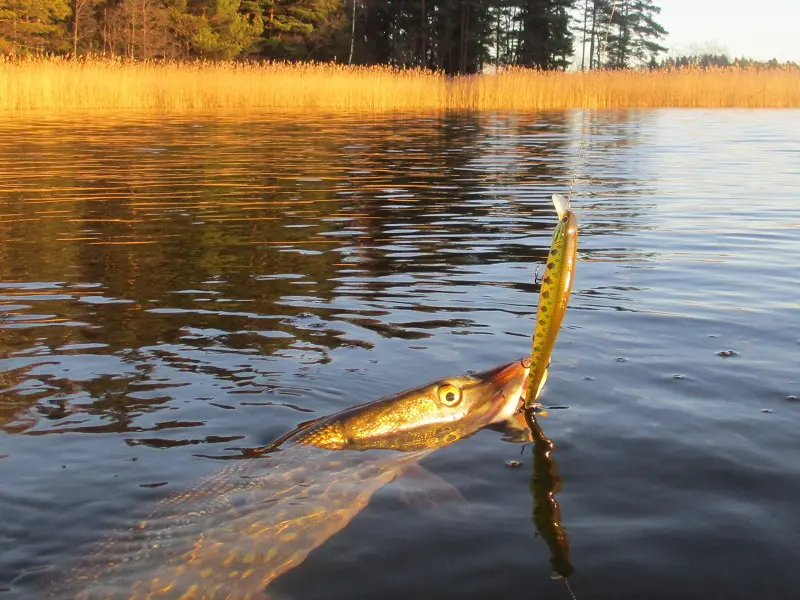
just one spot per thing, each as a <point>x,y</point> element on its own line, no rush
<point>632,35</point>
<point>304,29</point>
<point>711,59</point>
<point>224,32</point>
<point>33,25</point>
<point>546,41</point>
<point>454,36</point>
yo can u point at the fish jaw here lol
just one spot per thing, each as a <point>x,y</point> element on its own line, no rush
<point>504,388</point>
<point>423,417</point>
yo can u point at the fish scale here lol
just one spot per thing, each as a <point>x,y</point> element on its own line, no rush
<point>217,537</point>
<point>230,535</point>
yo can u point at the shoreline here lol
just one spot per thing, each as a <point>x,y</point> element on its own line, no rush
<point>54,85</point>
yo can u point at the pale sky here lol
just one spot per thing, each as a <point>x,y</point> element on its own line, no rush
<point>761,30</point>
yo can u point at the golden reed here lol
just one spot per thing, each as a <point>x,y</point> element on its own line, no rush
<point>98,83</point>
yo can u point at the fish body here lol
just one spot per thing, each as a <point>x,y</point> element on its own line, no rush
<point>233,533</point>
<point>554,294</point>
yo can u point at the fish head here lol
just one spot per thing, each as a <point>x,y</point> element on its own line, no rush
<point>429,416</point>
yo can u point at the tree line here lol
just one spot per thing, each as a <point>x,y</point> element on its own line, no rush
<point>454,36</point>
<point>707,60</point>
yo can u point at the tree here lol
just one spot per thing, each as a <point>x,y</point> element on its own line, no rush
<point>373,25</point>
<point>453,36</point>
<point>32,25</point>
<point>618,37</point>
<point>634,34</point>
<point>546,41</point>
<point>223,32</point>
<point>79,9</point>
<point>646,32</point>
<point>602,16</point>
<point>560,46</point>
<point>584,30</point>
<point>462,31</point>
<point>505,35</point>
<point>137,29</point>
<point>302,28</point>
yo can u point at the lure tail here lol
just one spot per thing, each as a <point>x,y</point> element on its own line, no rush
<point>562,205</point>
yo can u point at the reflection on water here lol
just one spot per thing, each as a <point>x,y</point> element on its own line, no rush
<point>153,248</point>
<point>175,286</point>
<point>545,484</point>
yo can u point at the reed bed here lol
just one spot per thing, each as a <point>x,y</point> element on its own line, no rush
<point>53,84</point>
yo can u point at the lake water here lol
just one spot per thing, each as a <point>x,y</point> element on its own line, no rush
<point>173,287</point>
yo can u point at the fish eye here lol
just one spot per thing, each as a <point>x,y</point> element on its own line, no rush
<point>449,394</point>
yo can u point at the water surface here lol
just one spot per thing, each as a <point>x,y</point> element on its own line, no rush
<point>174,287</point>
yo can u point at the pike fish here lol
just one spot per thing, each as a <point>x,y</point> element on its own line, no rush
<point>553,296</point>
<point>233,533</point>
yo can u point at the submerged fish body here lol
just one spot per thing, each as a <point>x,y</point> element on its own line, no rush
<point>554,295</point>
<point>237,531</point>
<point>233,533</point>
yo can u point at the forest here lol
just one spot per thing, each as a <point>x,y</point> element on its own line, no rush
<point>450,36</point>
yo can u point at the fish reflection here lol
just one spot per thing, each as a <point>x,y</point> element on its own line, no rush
<point>545,484</point>
<point>232,534</point>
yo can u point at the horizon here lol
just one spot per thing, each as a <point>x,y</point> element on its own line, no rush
<point>724,27</point>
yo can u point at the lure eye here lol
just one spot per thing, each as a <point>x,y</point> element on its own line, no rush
<point>449,395</point>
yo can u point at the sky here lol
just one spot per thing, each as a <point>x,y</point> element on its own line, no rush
<point>761,30</point>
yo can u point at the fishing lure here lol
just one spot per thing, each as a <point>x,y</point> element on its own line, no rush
<point>553,296</point>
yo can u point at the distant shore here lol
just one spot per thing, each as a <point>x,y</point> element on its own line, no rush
<point>53,84</point>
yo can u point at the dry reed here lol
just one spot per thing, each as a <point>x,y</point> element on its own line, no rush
<point>59,84</point>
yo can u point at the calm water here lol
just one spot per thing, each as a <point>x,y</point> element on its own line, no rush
<point>175,287</point>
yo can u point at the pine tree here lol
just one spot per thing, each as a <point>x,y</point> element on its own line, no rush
<point>603,13</point>
<point>546,41</point>
<point>504,16</point>
<point>224,32</point>
<point>374,24</point>
<point>561,44</point>
<point>463,30</point>
<point>646,32</point>
<point>618,37</point>
<point>634,34</point>
<point>534,33</point>
<point>33,25</point>
<point>449,35</point>
<point>454,36</point>
<point>298,28</point>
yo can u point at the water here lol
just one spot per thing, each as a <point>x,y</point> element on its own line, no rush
<point>172,287</point>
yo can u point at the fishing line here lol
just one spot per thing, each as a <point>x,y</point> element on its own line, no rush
<point>603,51</point>
<point>573,179</point>
<point>569,589</point>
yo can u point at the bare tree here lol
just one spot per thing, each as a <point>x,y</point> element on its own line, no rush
<point>78,12</point>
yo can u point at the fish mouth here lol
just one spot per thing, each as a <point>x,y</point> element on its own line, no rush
<point>504,388</point>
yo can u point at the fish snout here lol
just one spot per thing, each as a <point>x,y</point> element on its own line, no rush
<point>504,387</point>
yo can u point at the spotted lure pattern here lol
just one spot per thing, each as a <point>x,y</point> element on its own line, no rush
<point>553,295</point>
